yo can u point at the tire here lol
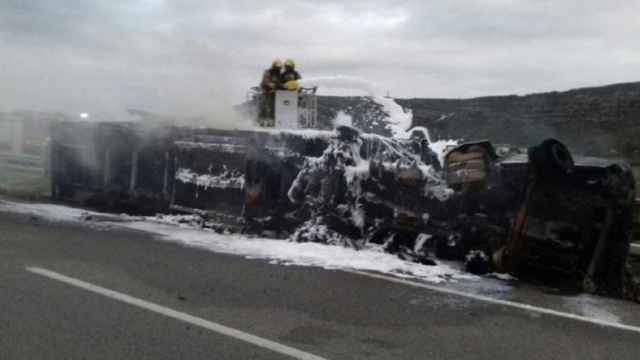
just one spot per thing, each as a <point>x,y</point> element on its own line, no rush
<point>551,159</point>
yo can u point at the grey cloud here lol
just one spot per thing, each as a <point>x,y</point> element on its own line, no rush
<point>199,57</point>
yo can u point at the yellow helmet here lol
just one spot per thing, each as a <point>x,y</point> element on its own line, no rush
<point>276,64</point>
<point>289,63</point>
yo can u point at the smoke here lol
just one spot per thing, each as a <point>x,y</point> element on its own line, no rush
<point>105,92</point>
<point>101,60</point>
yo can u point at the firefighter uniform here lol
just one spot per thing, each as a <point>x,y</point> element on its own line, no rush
<point>271,81</point>
<point>290,76</point>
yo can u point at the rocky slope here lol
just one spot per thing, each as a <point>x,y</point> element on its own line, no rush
<point>602,121</point>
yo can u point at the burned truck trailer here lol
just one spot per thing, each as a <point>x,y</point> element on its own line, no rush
<point>543,215</point>
<point>223,175</point>
<point>119,166</point>
<point>114,166</point>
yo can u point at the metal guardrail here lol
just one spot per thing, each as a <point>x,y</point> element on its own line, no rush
<point>22,162</point>
<point>19,157</point>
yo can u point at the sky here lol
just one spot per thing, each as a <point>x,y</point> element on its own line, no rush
<point>200,57</point>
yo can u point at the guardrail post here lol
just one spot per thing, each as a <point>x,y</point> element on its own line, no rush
<point>165,182</point>
<point>107,166</point>
<point>134,171</point>
<point>18,138</point>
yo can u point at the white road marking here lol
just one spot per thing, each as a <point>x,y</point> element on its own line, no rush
<point>209,325</point>
<point>513,304</point>
<point>635,249</point>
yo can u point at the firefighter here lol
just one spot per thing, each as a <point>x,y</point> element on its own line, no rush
<point>272,77</point>
<point>290,76</point>
<point>271,81</point>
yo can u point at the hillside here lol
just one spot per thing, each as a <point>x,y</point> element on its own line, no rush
<point>603,121</point>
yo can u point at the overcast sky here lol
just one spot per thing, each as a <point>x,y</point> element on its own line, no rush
<point>200,57</point>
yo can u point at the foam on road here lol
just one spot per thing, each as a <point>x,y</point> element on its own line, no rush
<point>450,278</point>
<point>276,251</point>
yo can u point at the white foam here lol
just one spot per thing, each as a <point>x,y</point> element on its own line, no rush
<point>47,211</point>
<point>226,179</point>
<point>304,133</point>
<point>277,251</point>
<point>440,148</point>
<point>340,82</point>
<point>305,254</point>
<point>592,307</point>
<point>342,119</point>
<point>398,120</point>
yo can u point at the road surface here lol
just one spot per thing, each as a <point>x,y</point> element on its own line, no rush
<point>69,291</point>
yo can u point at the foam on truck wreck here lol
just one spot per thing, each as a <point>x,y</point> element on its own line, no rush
<point>340,210</point>
<point>398,121</point>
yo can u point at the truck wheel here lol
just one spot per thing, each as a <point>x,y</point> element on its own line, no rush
<point>551,158</point>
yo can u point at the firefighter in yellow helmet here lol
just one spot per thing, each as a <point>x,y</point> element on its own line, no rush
<point>272,77</point>
<point>271,81</point>
<point>290,76</point>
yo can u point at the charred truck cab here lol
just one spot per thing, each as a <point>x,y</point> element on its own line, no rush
<point>569,218</point>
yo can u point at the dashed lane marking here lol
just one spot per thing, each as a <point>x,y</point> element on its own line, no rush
<point>507,303</point>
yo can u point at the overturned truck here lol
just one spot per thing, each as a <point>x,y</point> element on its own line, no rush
<point>540,214</point>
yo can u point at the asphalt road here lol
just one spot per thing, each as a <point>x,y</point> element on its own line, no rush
<point>330,314</point>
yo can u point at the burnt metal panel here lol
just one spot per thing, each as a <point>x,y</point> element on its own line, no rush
<point>116,166</point>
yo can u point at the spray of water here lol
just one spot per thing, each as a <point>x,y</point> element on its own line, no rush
<point>341,82</point>
<point>398,120</point>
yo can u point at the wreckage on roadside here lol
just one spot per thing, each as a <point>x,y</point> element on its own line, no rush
<point>541,214</point>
